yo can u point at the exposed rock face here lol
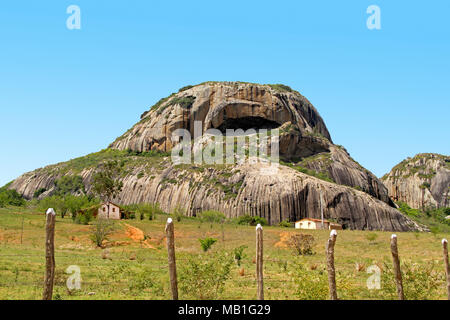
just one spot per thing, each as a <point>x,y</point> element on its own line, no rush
<point>305,144</point>
<point>218,104</point>
<point>241,189</point>
<point>421,182</point>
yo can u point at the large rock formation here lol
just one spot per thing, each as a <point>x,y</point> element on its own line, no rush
<point>312,165</point>
<point>421,182</point>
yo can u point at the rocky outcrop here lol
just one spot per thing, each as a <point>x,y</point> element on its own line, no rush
<point>421,182</point>
<point>311,164</point>
<point>221,105</point>
<point>241,189</point>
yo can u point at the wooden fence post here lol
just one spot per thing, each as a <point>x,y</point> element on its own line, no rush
<point>330,265</point>
<point>447,268</point>
<point>171,257</point>
<point>397,270</point>
<point>259,262</point>
<point>49,254</point>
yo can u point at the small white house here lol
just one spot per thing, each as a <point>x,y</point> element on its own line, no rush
<point>109,210</point>
<point>310,223</point>
<point>316,224</point>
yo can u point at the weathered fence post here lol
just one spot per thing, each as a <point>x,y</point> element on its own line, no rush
<point>259,262</point>
<point>171,257</point>
<point>397,270</point>
<point>447,268</point>
<point>21,233</point>
<point>330,265</point>
<point>49,254</point>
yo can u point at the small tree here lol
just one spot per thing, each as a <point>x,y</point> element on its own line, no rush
<point>102,229</point>
<point>106,183</point>
<point>207,243</point>
<point>239,254</point>
<point>302,244</point>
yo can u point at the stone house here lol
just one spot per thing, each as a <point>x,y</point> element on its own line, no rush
<point>109,210</point>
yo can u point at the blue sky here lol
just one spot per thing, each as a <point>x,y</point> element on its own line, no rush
<point>384,94</point>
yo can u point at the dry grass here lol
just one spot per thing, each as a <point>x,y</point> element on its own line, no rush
<point>119,272</point>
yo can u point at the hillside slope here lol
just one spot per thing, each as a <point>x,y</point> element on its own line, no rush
<point>422,181</point>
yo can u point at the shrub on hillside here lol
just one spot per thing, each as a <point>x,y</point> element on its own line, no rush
<point>251,221</point>
<point>10,198</point>
<point>212,216</point>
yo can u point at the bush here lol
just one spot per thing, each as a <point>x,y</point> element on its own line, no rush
<point>311,284</point>
<point>69,185</point>
<point>301,244</point>
<point>285,224</point>
<point>178,213</point>
<point>420,282</point>
<point>143,210</point>
<point>84,217</point>
<point>239,254</point>
<point>204,279</point>
<point>371,236</point>
<point>38,192</point>
<point>212,216</point>
<point>11,198</point>
<point>207,243</point>
<point>102,229</point>
<point>251,221</point>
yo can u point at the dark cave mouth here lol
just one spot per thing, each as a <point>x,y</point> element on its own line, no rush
<point>246,123</point>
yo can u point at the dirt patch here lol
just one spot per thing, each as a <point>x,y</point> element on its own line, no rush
<point>284,240</point>
<point>137,235</point>
<point>134,233</point>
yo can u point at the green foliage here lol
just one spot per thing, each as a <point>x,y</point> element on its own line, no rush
<point>239,254</point>
<point>285,224</point>
<point>102,229</point>
<point>106,182</point>
<point>371,236</point>
<point>432,217</point>
<point>141,280</point>
<point>69,185</point>
<point>10,198</point>
<point>203,277</point>
<point>144,209</point>
<point>184,102</point>
<point>212,216</point>
<point>38,192</point>
<point>84,217</point>
<point>69,203</point>
<point>420,282</point>
<point>178,213</point>
<point>323,175</point>
<point>310,284</point>
<point>281,87</point>
<point>250,220</point>
<point>185,88</point>
<point>207,243</point>
<point>405,209</point>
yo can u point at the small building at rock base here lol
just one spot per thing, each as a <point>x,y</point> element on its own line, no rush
<point>316,224</point>
<point>109,210</point>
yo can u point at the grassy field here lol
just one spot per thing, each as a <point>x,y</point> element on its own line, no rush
<point>128,268</point>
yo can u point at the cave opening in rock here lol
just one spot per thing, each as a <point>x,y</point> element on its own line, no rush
<point>246,123</point>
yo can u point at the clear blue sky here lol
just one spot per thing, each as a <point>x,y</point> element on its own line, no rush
<point>384,94</point>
